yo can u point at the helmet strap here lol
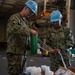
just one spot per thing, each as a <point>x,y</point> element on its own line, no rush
<point>60,22</point>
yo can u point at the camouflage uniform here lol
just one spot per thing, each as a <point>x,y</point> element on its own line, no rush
<point>62,40</point>
<point>17,33</point>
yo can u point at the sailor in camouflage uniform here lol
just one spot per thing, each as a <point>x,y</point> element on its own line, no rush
<point>17,33</point>
<point>60,40</point>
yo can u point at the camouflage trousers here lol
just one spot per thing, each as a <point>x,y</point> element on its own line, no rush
<point>14,64</point>
<point>56,62</point>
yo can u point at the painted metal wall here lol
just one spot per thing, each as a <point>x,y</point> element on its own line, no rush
<point>72,17</point>
<point>2,30</point>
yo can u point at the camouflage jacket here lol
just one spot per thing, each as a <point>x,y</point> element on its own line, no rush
<point>61,38</point>
<point>17,33</point>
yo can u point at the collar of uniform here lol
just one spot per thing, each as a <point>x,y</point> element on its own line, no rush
<point>21,16</point>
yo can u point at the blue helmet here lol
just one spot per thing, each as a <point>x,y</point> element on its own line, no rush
<point>32,5</point>
<point>55,16</point>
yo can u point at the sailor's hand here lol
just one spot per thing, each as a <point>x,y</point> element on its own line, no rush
<point>57,50</point>
<point>52,51</point>
<point>33,32</point>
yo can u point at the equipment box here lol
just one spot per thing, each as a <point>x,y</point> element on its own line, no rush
<point>64,71</point>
